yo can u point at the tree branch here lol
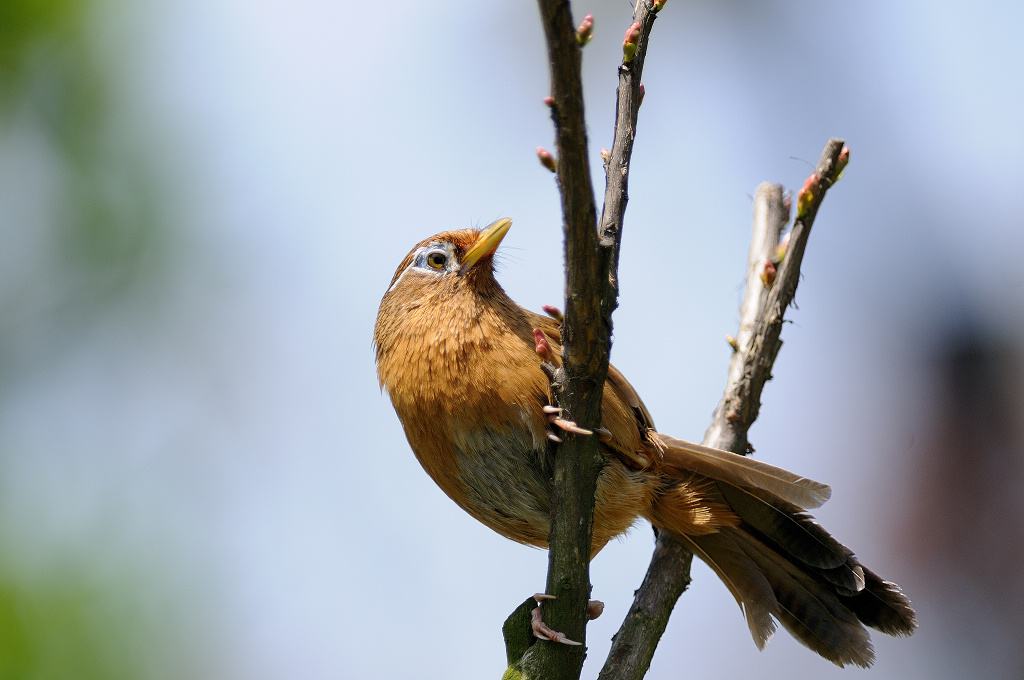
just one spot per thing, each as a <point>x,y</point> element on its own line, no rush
<point>772,278</point>
<point>627,107</point>
<point>591,296</point>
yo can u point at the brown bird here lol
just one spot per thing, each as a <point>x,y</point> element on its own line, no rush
<point>463,367</point>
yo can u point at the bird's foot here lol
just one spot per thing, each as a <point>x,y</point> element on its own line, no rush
<point>541,630</point>
<point>552,412</point>
<point>541,346</point>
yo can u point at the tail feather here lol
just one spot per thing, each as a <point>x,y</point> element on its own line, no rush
<point>743,471</point>
<point>848,579</point>
<point>794,530</point>
<point>811,610</point>
<point>775,559</point>
<point>883,606</point>
<point>748,584</point>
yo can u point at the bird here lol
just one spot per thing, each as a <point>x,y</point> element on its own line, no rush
<point>464,367</point>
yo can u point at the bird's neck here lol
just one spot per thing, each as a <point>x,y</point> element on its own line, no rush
<point>433,342</point>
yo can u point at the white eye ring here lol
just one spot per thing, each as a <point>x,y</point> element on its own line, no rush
<point>437,259</point>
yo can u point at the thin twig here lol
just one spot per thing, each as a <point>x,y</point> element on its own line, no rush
<point>627,107</point>
<point>756,346</point>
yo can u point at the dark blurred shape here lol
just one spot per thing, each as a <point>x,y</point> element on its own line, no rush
<point>966,534</point>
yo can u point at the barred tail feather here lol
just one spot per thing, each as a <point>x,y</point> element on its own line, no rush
<point>774,558</point>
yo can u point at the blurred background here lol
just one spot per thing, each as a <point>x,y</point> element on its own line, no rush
<point>202,202</point>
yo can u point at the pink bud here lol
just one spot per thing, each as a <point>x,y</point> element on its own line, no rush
<point>844,158</point>
<point>806,194</point>
<point>768,272</point>
<point>585,31</point>
<point>546,159</point>
<point>554,312</point>
<point>630,41</point>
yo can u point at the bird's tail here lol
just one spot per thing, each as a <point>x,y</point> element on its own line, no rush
<point>746,520</point>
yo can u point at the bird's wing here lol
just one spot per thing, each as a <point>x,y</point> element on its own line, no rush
<point>624,414</point>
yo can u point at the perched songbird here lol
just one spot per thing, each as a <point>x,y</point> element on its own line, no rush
<point>460,362</point>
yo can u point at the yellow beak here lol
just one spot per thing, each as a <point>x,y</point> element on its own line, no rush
<point>488,242</point>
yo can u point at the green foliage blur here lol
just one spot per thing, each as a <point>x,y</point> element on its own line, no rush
<point>67,626</point>
<point>102,228</point>
<point>87,236</point>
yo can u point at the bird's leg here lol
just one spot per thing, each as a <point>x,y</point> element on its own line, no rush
<point>541,630</point>
<point>553,413</point>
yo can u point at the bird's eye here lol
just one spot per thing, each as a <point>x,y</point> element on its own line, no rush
<point>437,259</point>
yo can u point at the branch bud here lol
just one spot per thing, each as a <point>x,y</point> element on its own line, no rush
<point>640,100</point>
<point>549,102</point>
<point>844,159</point>
<point>733,343</point>
<point>806,195</point>
<point>546,159</point>
<point>780,250</point>
<point>554,312</point>
<point>629,42</point>
<point>658,4</point>
<point>768,272</point>
<point>585,31</point>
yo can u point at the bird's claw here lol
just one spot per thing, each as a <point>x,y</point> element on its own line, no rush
<point>570,426</point>
<point>553,413</point>
<point>542,631</point>
<point>541,345</point>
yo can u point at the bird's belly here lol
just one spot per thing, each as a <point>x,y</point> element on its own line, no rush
<point>506,483</point>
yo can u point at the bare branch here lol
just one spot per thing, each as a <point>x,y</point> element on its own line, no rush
<point>742,400</point>
<point>757,344</point>
<point>586,334</point>
<point>770,218</point>
<point>591,296</point>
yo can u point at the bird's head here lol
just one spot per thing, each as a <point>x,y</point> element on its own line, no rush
<point>450,262</point>
<point>442,300</point>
